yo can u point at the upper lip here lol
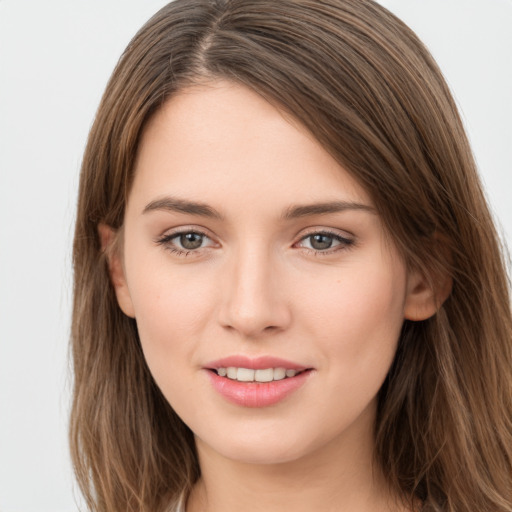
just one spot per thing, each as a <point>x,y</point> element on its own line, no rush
<point>254,363</point>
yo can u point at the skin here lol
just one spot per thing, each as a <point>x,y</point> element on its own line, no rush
<point>260,285</point>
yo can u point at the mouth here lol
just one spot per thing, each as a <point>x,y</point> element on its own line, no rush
<point>262,375</point>
<point>259,382</point>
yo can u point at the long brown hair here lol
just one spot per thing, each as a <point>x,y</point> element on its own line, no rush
<point>364,85</point>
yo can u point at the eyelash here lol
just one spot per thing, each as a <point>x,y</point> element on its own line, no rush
<point>166,239</point>
<point>344,243</point>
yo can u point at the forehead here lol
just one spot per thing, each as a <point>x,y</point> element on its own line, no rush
<point>221,141</point>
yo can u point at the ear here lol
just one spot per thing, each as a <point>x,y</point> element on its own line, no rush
<point>425,296</point>
<point>110,247</point>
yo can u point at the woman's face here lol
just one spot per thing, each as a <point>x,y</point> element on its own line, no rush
<point>249,251</point>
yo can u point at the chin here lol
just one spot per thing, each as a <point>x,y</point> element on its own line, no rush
<point>277,447</point>
<point>258,455</point>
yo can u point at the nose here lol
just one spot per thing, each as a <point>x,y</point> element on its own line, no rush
<point>253,297</point>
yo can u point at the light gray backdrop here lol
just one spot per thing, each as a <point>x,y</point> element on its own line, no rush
<point>55,59</point>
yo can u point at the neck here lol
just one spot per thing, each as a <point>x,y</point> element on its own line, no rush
<point>341,476</point>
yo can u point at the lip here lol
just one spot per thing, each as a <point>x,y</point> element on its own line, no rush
<point>257,363</point>
<point>256,394</point>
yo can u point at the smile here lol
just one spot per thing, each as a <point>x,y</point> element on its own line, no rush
<point>252,375</point>
<point>256,382</point>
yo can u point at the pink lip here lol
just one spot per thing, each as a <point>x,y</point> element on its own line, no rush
<point>257,363</point>
<point>256,394</point>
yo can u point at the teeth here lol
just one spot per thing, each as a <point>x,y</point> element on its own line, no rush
<point>280,373</point>
<point>264,375</point>
<point>245,375</point>
<point>249,375</point>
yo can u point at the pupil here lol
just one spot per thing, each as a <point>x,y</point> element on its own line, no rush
<point>321,241</point>
<point>191,240</point>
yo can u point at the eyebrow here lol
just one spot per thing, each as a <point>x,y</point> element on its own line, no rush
<point>174,204</point>
<point>296,211</point>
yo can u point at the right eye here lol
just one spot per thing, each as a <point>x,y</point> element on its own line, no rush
<point>183,243</point>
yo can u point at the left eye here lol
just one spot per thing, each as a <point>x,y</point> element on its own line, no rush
<point>325,241</point>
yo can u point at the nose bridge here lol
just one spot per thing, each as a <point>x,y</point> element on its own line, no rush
<point>253,302</point>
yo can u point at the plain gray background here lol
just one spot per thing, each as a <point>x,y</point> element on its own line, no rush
<point>55,59</point>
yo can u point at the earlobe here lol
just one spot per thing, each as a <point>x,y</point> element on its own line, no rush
<point>425,297</point>
<point>110,248</point>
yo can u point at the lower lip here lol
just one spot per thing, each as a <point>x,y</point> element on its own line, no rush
<point>257,394</point>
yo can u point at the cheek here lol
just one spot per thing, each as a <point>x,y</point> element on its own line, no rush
<point>170,313</point>
<point>357,320</point>
<point>171,307</point>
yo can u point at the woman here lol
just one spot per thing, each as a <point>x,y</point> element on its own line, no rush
<point>289,292</point>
